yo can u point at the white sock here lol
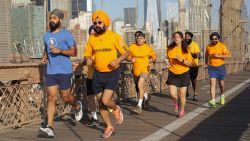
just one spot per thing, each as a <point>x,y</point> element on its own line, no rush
<point>94,115</point>
<point>146,96</point>
<point>140,103</point>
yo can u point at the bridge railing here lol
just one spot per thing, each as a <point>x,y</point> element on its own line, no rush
<point>23,97</point>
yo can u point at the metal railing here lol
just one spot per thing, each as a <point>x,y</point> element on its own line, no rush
<point>22,104</point>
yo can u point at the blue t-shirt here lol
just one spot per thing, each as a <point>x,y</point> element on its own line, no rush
<point>58,63</point>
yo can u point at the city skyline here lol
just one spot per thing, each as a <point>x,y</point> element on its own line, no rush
<point>115,9</point>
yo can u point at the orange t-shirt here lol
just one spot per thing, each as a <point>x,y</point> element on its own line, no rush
<point>220,49</point>
<point>105,48</point>
<point>177,67</point>
<point>142,54</point>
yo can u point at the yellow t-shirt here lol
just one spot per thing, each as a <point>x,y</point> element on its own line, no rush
<point>194,48</point>
<point>104,47</point>
<point>142,54</point>
<point>219,48</point>
<point>177,67</point>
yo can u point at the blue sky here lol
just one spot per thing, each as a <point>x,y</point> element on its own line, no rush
<point>248,6</point>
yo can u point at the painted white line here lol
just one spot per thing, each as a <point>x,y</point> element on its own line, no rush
<point>168,129</point>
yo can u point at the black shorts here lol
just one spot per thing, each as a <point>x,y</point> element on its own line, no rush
<point>89,87</point>
<point>178,80</point>
<point>193,73</point>
<point>105,80</point>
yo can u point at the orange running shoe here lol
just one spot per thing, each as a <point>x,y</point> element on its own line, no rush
<point>118,115</point>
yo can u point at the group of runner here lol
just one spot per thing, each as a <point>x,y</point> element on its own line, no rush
<point>104,52</point>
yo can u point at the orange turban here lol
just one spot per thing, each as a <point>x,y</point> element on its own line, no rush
<point>102,15</point>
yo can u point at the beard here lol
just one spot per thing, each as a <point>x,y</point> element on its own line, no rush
<point>53,26</point>
<point>214,42</point>
<point>99,30</point>
<point>189,41</point>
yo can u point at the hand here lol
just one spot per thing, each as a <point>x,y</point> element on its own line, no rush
<point>179,58</point>
<point>89,62</point>
<point>151,66</point>
<point>205,66</point>
<point>114,63</point>
<point>75,65</point>
<point>44,61</point>
<point>133,60</point>
<point>217,55</point>
<point>55,50</point>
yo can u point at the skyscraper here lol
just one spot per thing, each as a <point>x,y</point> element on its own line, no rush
<point>77,6</point>
<point>199,15</point>
<point>145,12</point>
<point>5,30</point>
<point>172,12</point>
<point>89,5</point>
<point>65,5</point>
<point>130,16</point>
<point>152,16</point>
<point>182,16</point>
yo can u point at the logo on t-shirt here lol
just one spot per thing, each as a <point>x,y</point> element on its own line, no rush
<point>52,42</point>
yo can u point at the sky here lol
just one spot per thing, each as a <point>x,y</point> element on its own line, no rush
<point>115,9</point>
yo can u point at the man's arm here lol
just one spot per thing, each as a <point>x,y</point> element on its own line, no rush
<point>116,62</point>
<point>45,57</point>
<point>71,52</point>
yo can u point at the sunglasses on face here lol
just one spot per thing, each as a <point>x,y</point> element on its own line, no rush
<point>214,39</point>
<point>99,23</point>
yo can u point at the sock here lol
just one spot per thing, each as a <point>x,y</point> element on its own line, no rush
<point>140,103</point>
<point>222,95</point>
<point>94,115</point>
<point>146,96</point>
<point>213,100</point>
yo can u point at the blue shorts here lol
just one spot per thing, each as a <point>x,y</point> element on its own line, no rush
<point>217,72</point>
<point>62,80</point>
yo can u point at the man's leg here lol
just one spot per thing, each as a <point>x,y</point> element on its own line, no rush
<point>212,87</point>
<point>48,131</point>
<point>212,92</point>
<point>65,84</point>
<point>222,88</point>
<point>77,105</point>
<point>52,95</point>
<point>106,102</point>
<point>68,97</point>
<point>194,85</point>
<point>141,83</point>
<point>92,106</point>
<point>105,113</point>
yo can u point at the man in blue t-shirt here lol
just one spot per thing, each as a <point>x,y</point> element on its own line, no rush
<point>59,46</point>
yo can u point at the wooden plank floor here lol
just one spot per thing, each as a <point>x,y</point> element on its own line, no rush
<point>227,122</point>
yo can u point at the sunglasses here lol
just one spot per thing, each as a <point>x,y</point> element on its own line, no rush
<point>99,23</point>
<point>214,39</point>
